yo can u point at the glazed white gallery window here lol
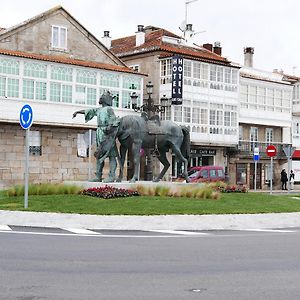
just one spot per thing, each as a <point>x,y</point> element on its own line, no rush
<point>59,37</point>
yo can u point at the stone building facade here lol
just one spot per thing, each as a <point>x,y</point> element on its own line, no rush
<point>54,64</point>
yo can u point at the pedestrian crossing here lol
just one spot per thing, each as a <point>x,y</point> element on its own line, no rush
<point>70,231</point>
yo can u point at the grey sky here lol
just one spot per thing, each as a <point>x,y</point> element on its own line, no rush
<point>270,26</point>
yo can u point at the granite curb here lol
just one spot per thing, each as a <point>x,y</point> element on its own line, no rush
<point>161,222</point>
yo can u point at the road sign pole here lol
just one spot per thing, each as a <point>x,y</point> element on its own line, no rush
<point>271,180</point>
<point>255,171</point>
<point>26,168</point>
<point>289,170</point>
<point>26,118</point>
<point>90,154</point>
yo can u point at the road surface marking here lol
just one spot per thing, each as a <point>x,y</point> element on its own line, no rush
<point>81,231</point>
<point>269,230</point>
<point>180,232</point>
<point>5,227</point>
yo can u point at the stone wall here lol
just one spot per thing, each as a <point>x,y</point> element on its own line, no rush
<point>59,161</point>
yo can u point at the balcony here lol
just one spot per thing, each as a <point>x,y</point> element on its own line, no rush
<point>246,149</point>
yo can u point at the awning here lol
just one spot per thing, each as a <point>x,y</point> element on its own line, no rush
<point>296,154</point>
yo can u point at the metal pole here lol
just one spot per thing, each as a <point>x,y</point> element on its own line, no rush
<point>255,171</point>
<point>289,168</point>
<point>271,180</point>
<point>26,168</point>
<point>90,151</point>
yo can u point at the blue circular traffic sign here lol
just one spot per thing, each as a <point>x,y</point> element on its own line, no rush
<point>26,116</point>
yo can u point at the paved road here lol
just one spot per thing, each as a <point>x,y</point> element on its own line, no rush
<point>56,263</point>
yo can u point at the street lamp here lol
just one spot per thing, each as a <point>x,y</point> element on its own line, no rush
<point>150,109</point>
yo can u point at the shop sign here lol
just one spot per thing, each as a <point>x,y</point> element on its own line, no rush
<point>177,79</point>
<point>203,151</point>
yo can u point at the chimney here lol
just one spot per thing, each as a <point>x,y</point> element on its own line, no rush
<point>208,47</point>
<point>106,39</point>
<point>248,56</point>
<point>140,36</point>
<point>217,48</point>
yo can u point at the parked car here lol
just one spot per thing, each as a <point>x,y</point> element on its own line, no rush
<point>206,173</point>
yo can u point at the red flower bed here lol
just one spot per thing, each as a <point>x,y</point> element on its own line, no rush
<point>108,192</point>
<point>232,189</point>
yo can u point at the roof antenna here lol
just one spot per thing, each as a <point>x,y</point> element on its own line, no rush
<point>185,27</point>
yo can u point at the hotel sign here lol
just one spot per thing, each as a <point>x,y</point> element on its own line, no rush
<point>177,79</point>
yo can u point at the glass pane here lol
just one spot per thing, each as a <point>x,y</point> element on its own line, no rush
<point>55,36</point>
<point>28,89</point>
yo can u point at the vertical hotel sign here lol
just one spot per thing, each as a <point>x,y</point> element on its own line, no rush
<point>177,79</point>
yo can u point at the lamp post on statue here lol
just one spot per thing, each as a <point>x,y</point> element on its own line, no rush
<point>150,110</point>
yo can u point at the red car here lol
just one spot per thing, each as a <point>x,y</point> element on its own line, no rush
<point>206,173</point>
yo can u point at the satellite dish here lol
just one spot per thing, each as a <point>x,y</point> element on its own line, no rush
<point>183,26</point>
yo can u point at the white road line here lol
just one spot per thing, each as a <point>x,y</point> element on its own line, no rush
<point>81,231</point>
<point>269,230</point>
<point>5,227</point>
<point>180,232</point>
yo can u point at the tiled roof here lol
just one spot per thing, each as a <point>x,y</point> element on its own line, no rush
<point>69,61</point>
<point>256,74</point>
<point>153,42</point>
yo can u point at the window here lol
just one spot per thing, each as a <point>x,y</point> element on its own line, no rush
<point>178,113</point>
<point>9,66</point>
<point>227,118</point>
<point>165,67</point>
<point>35,70</point>
<point>60,92</point>
<point>84,76</point>
<point>203,116</point>
<point>59,37</point>
<point>109,79</point>
<point>34,140</point>
<point>9,87</point>
<point>187,68</point>
<point>34,89</point>
<point>131,82</point>
<point>269,136</point>
<point>204,174</point>
<point>204,71</point>
<point>253,137</point>
<point>85,95</point>
<point>61,73</point>
<point>241,133</point>
<point>187,114</point>
<point>220,74</point>
<point>212,173</point>
<point>197,70</point>
<point>213,73</point>
<point>196,115</point>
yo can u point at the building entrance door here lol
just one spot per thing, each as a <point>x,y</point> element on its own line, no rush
<point>258,176</point>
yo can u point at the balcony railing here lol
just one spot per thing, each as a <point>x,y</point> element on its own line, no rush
<point>246,149</point>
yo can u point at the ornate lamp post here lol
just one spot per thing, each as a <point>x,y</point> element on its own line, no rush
<point>150,109</point>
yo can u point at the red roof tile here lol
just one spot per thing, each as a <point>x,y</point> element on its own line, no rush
<point>66,60</point>
<point>153,42</point>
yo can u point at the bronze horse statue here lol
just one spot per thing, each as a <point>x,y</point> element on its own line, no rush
<point>133,132</point>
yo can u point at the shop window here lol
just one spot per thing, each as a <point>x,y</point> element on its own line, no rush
<point>241,173</point>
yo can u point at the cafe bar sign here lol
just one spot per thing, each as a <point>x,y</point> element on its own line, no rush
<point>203,151</point>
<point>177,79</point>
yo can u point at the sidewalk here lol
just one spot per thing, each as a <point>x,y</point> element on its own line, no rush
<point>164,222</point>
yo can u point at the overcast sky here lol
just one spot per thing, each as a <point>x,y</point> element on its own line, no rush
<point>270,26</point>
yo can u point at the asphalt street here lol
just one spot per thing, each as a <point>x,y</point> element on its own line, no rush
<point>54,263</point>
